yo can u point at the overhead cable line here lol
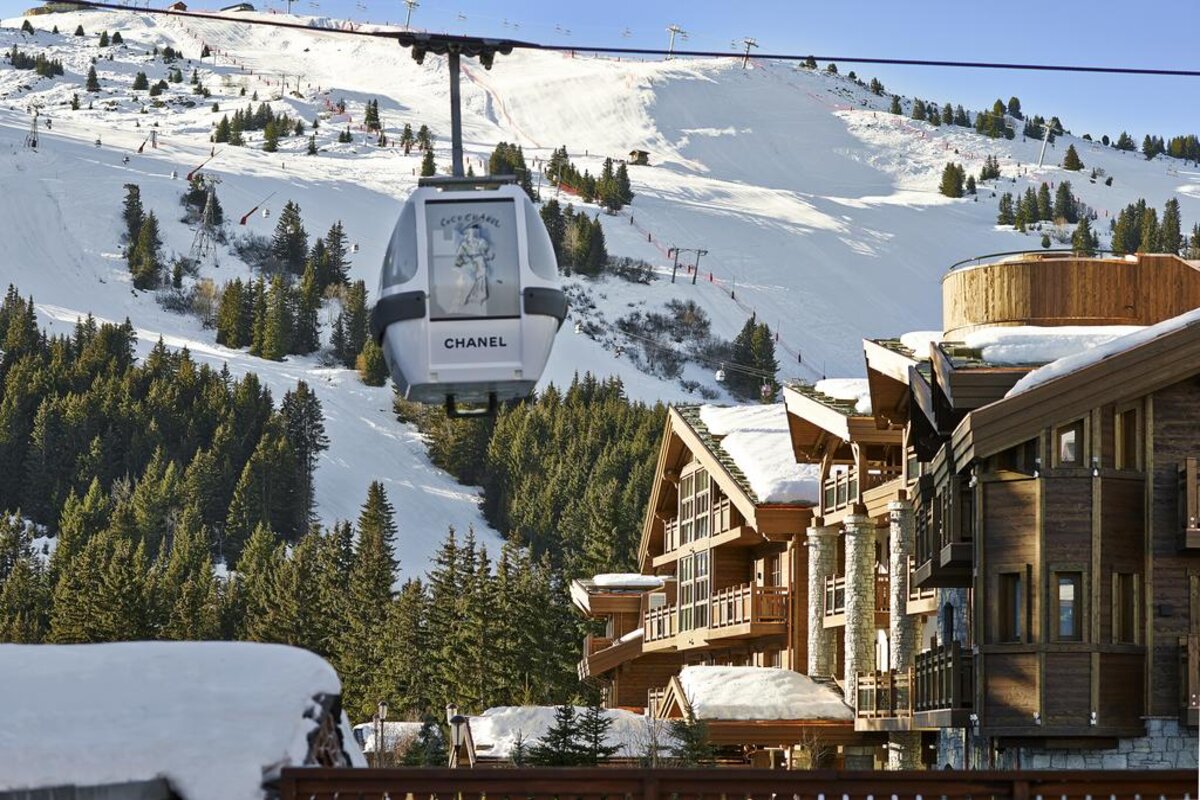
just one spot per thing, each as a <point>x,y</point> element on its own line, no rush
<point>415,39</point>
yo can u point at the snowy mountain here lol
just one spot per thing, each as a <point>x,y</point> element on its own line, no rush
<point>819,211</point>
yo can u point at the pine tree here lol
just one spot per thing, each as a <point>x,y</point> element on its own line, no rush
<point>26,27</point>
<point>132,212</point>
<point>970,188</point>
<point>1064,203</point>
<point>691,746</point>
<point>104,38</point>
<point>144,260</point>
<point>79,30</point>
<point>336,265</point>
<point>425,139</point>
<point>289,247</point>
<point>1006,215</point>
<point>407,139</point>
<point>141,82</point>
<point>270,138</point>
<point>560,746</point>
<point>429,748</point>
<point>1083,241</point>
<point>1170,234</point>
<point>312,145</point>
<point>277,329</point>
<point>1014,107</point>
<point>918,110</point>
<point>303,421</point>
<point>93,82</point>
<point>372,369</point>
<point>306,335</point>
<point>1071,160</point>
<point>952,180</point>
<point>187,588</point>
<point>356,323</point>
<point>370,595</point>
<point>594,726</point>
<point>1151,237</point>
<point>428,167</point>
<point>1044,209</point>
<point>371,118</point>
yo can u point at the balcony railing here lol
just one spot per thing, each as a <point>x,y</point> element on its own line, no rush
<point>660,623</point>
<point>721,520</point>
<point>917,593</point>
<point>841,489</point>
<point>1189,679</point>
<point>594,644</point>
<point>944,679</point>
<point>748,603</point>
<point>885,694</point>
<point>835,594</point>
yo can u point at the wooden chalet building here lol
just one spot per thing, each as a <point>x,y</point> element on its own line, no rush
<point>1000,565</point>
<point>724,566</point>
<point>1029,515</point>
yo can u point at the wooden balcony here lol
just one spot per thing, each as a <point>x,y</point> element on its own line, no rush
<point>660,626</point>
<point>725,527</point>
<point>1189,502</point>
<point>1189,680</point>
<point>921,599</point>
<point>884,701</point>
<point>937,692</point>
<point>748,610</point>
<point>944,541</point>
<point>835,601</point>
<point>943,688</point>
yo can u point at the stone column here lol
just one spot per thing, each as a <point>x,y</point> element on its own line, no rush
<point>822,562</point>
<point>904,747</point>
<point>860,601</point>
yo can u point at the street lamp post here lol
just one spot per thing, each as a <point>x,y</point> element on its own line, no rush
<point>380,715</point>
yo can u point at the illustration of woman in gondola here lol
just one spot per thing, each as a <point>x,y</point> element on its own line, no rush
<point>474,258</point>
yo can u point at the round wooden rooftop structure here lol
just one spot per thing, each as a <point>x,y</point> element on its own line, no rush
<point>1063,288</point>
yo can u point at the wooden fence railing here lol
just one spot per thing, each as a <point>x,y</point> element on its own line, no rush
<point>298,783</point>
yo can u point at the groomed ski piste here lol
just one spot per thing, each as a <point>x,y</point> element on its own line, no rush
<point>819,210</point>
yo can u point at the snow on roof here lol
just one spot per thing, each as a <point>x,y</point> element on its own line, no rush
<point>636,633</point>
<point>1035,344</point>
<point>213,718</point>
<point>497,730</point>
<point>719,693</point>
<point>856,389</point>
<point>918,341</point>
<point>757,439</point>
<point>1100,351</point>
<point>396,735</point>
<point>626,580</point>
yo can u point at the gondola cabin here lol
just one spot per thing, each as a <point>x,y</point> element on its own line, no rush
<point>469,298</point>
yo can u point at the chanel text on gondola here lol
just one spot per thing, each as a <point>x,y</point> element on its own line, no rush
<point>475,341</point>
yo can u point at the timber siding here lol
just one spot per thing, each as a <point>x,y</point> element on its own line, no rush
<point>1176,427</point>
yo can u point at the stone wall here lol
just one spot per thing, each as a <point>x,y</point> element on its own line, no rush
<point>822,562</point>
<point>860,602</point>
<point>1166,745</point>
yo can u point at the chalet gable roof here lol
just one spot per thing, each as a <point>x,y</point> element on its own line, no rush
<point>1129,367</point>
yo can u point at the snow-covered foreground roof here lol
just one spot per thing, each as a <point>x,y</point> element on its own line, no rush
<point>1099,352</point>
<point>497,730</point>
<point>918,341</point>
<point>732,693</point>
<point>757,439</point>
<point>213,718</point>
<point>1035,344</point>
<point>855,389</point>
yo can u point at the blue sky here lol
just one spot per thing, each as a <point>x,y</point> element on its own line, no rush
<point>1150,33</point>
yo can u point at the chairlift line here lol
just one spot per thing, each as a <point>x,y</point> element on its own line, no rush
<point>250,213</point>
<point>408,39</point>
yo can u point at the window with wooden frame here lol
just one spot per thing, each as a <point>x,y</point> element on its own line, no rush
<point>1011,607</point>
<point>701,505</point>
<point>1128,438</point>
<point>687,574</point>
<point>1067,618</point>
<point>686,506</point>
<point>701,591</point>
<point>774,576</point>
<point>1126,590</point>
<point>1070,445</point>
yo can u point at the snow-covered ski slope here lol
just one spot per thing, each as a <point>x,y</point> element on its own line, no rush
<point>818,209</point>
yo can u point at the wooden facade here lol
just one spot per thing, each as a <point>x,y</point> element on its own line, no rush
<point>1066,289</point>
